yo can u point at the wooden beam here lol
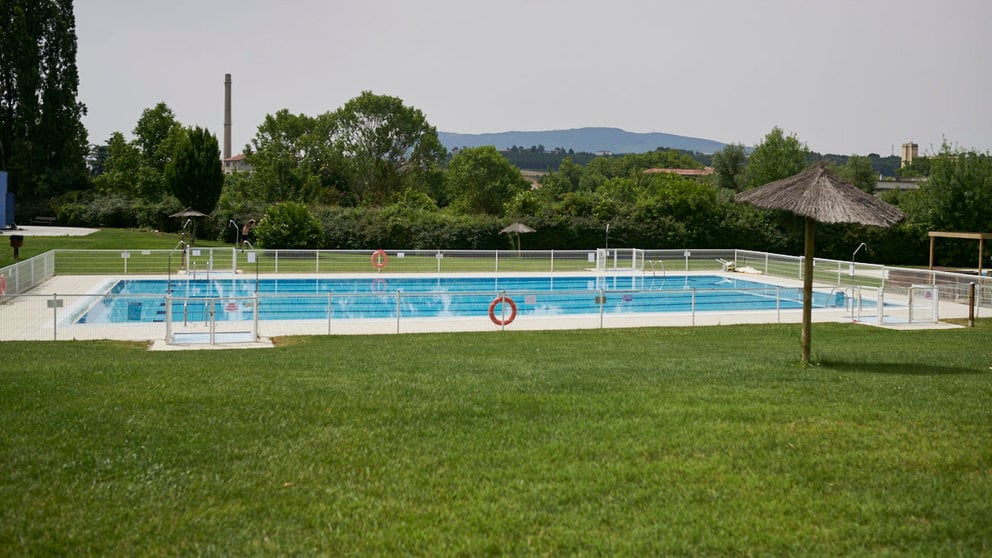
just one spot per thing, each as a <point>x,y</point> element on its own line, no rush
<point>807,332</point>
<point>973,236</point>
<point>980,237</point>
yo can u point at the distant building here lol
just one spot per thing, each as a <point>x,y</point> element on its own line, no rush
<point>684,172</point>
<point>236,163</point>
<point>910,151</point>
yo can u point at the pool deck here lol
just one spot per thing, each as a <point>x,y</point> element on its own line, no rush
<point>34,316</point>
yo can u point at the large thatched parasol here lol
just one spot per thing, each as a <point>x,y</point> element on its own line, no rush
<point>820,196</point>
<point>517,228</point>
<point>191,215</point>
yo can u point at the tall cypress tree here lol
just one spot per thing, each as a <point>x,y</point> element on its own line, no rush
<point>42,139</point>
<point>194,174</point>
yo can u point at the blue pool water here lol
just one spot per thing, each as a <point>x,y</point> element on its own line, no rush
<point>140,300</point>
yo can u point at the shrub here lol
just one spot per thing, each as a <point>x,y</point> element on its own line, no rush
<point>288,225</point>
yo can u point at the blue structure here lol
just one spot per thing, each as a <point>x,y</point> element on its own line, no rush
<point>6,215</point>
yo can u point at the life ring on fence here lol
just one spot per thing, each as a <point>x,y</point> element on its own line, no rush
<point>3,285</point>
<point>492,310</point>
<point>379,259</point>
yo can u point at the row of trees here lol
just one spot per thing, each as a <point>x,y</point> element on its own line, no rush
<point>42,139</point>
<point>372,185</point>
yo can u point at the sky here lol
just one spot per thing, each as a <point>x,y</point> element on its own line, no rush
<point>844,77</point>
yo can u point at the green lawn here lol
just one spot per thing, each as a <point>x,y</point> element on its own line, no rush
<point>104,239</point>
<point>640,442</point>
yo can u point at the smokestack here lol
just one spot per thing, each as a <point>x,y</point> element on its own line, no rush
<point>227,116</point>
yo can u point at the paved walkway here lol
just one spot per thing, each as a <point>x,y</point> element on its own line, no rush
<point>44,230</point>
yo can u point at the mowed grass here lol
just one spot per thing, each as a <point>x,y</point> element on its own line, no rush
<point>665,441</point>
<point>103,239</point>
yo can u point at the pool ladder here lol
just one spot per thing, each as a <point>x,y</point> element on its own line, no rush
<point>654,272</point>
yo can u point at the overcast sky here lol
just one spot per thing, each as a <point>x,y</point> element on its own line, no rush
<point>844,76</point>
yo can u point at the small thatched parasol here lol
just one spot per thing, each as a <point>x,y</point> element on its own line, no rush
<point>191,215</point>
<point>517,228</point>
<point>820,196</point>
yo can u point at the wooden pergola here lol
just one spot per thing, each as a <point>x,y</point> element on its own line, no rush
<point>980,237</point>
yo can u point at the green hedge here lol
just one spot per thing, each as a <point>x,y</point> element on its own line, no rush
<point>728,225</point>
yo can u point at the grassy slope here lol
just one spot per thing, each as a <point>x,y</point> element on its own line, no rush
<point>703,441</point>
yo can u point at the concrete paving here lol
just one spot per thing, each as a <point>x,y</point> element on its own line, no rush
<point>43,315</point>
<point>47,230</point>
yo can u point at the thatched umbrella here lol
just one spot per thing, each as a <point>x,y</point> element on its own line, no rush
<point>517,228</point>
<point>820,196</point>
<point>192,215</point>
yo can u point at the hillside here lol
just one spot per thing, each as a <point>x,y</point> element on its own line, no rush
<point>592,140</point>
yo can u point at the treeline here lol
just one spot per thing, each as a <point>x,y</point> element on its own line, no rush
<point>341,180</point>
<point>538,158</point>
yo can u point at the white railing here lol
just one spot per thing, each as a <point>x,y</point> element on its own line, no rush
<point>25,275</point>
<point>30,310</point>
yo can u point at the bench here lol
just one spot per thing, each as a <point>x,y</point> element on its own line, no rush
<point>43,220</point>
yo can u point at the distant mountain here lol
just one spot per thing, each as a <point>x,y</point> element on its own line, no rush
<point>592,140</point>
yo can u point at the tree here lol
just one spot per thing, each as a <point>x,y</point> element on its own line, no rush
<point>859,172</point>
<point>388,147</point>
<point>729,165</point>
<point>481,180</point>
<point>42,140</point>
<point>775,158</point>
<point>155,134</point>
<point>293,158</point>
<point>194,174</point>
<point>277,158</point>
<point>121,168</point>
<point>958,194</point>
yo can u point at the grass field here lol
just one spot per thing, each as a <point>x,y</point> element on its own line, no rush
<point>104,239</point>
<point>644,442</point>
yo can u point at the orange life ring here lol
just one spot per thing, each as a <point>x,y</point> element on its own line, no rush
<point>492,310</point>
<point>3,284</point>
<point>379,259</point>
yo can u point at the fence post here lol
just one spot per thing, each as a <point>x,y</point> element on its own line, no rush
<point>880,305</point>
<point>778,303</point>
<point>693,305</point>
<point>329,307</point>
<point>602,304</point>
<point>398,294</point>
<point>212,316</point>
<point>978,300</point>
<point>910,309</point>
<point>55,317</point>
<point>255,316</point>
<point>168,318</point>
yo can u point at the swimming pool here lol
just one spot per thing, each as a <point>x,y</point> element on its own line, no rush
<point>229,299</point>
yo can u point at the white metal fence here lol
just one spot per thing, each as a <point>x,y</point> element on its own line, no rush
<point>63,310</point>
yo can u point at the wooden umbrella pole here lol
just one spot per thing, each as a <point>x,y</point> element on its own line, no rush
<point>808,288</point>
